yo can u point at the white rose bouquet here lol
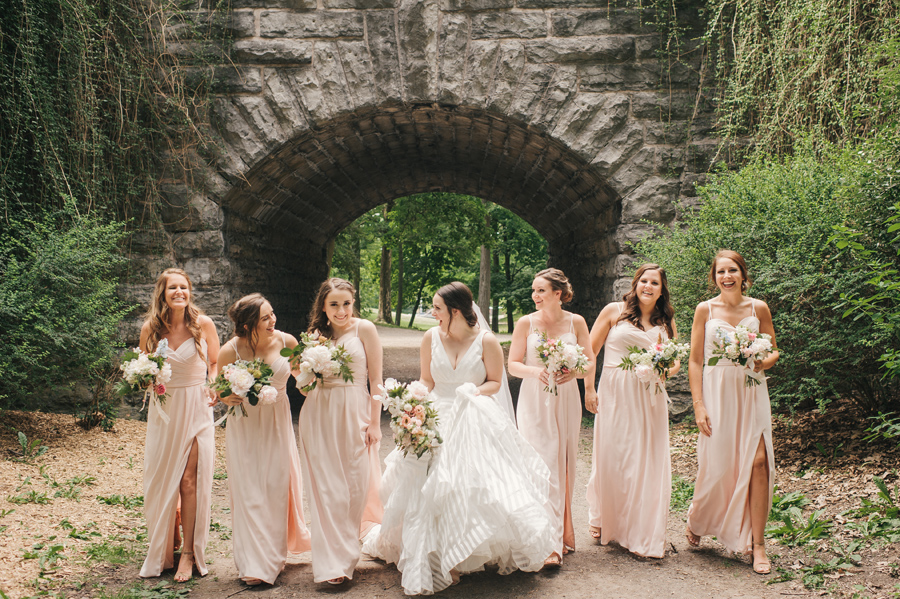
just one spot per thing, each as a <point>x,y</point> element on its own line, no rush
<point>317,357</point>
<point>250,380</point>
<point>651,365</point>
<point>413,417</point>
<point>148,373</point>
<point>742,347</point>
<point>560,357</point>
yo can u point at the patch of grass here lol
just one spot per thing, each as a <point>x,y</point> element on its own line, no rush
<point>220,475</point>
<point>795,533</point>
<point>789,504</point>
<point>879,519</point>
<point>82,535</point>
<point>587,422</point>
<point>31,450</point>
<point>139,590</point>
<point>38,497</point>
<point>47,554</point>
<point>110,553</point>
<point>682,493</point>
<point>812,576</point>
<point>126,501</point>
<point>224,531</point>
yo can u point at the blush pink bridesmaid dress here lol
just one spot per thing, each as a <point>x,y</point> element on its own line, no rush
<point>266,483</point>
<point>630,486</point>
<point>344,474</point>
<point>740,417</point>
<point>551,424</point>
<point>166,455</point>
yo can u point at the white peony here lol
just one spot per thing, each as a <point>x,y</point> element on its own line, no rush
<point>644,373</point>
<point>417,389</point>
<point>570,355</point>
<point>267,395</point>
<point>165,375</point>
<point>241,381</point>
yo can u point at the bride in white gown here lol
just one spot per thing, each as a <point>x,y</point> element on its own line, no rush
<point>480,500</point>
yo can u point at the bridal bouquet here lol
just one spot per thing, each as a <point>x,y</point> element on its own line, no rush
<point>146,372</point>
<point>317,357</point>
<point>413,417</point>
<point>743,347</point>
<point>652,364</point>
<point>246,379</point>
<point>560,357</point>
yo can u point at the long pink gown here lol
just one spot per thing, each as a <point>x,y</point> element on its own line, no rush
<point>266,483</point>
<point>630,486</point>
<point>344,474</point>
<point>740,417</point>
<point>166,455</point>
<point>551,423</point>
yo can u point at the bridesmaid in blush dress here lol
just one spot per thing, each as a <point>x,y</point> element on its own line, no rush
<point>733,492</point>
<point>261,452</point>
<point>340,433</point>
<point>631,480</point>
<point>180,446</point>
<point>551,423</point>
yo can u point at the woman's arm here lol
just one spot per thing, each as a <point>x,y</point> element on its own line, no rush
<point>676,367</point>
<point>766,326</point>
<point>695,368</point>
<point>517,367</point>
<point>211,336</point>
<point>493,365</point>
<point>425,358</point>
<point>368,334</point>
<point>598,335</point>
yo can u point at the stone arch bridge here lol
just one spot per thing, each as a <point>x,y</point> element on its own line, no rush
<point>559,110</point>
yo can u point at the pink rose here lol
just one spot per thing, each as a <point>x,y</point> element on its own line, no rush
<point>160,389</point>
<point>751,336</point>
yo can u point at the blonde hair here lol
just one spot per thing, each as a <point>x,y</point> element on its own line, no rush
<point>157,317</point>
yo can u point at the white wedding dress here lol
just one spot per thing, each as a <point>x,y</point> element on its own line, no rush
<point>479,501</point>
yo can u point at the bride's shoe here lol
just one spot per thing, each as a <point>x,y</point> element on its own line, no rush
<point>252,582</point>
<point>595,532</point>
<point>337,581</point>
<point>554,561</point>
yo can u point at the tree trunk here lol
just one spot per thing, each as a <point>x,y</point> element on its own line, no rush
<point>399,283</point>
<point>384,288</point>
<point>507,267</point>
<point>484,275</point>
<point>495,317</point>
<point>412,317</point>
<point>357,271</point>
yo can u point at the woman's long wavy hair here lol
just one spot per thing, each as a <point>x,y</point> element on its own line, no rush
<point>663,313</point>
<point>458,296</point>
<point>159,313</point>
<point>244,313</point>
<point>318,320</point>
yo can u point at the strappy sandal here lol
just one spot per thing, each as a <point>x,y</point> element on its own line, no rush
<point>595,532</point>
<point>180,576</point>
<point>692,539</point>
<point>554,561</point>
<point>764,566</point>
<point>337,581</point>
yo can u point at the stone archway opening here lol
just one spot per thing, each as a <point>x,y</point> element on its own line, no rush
<point>281,219</point>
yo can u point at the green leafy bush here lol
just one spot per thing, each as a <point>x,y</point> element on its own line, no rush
<point>780,214</point>
<point>59,310</point>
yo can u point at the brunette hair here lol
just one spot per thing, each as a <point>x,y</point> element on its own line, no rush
<point>244,313</point>
<point>558,282</point>
<point>741,264</point>
<point>159,313</point>
<point>318,320</point>
<point>663,312</point>
<point>457,296</point>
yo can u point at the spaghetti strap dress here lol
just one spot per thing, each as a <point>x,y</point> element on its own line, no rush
<point>344,474</point>
<point>552,423</point>
<point>740,417</point>
<point>266,483</point>
<point>166,452</point>
<point>631,473</point>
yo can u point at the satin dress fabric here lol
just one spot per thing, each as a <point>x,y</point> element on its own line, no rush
<point>166,454</point>
<point>266,483</point>
<point>630,486</point>
<point>344,474</point>
<point>740,417</point>
<point>552,423</point>
<point>478,501</point>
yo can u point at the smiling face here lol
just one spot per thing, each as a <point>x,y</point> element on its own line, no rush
<point>440,313</point>
<point>543,294</point>
<point>178,292</point>
<point>265,327</point>
<point>728,275</point>
<point>649,287</point>
<point>339,307</point>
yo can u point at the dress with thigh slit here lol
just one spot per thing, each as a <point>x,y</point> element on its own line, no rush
<point>740,417</point>
<point>166,452</point>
